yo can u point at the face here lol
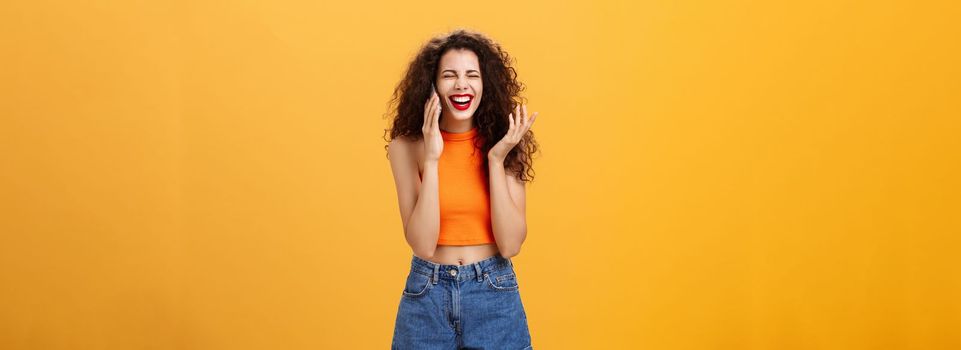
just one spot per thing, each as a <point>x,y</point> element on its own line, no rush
<point>459,84</point>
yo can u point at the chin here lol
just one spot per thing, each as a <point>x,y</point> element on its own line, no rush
<point>464,116</point>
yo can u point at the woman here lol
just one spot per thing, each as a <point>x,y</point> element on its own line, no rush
<point>460,163</point>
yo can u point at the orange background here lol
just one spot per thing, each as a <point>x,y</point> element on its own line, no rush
<point>714,174</point>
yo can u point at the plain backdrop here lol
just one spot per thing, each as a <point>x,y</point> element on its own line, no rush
<point>713,174</point>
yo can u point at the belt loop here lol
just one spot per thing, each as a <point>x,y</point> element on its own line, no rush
<point>436,268</point>
<point>477,269</point>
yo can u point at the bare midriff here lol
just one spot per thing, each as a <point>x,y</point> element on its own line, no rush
<point>462,254</point>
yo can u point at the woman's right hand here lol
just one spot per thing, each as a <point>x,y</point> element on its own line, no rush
<point>433,142</point>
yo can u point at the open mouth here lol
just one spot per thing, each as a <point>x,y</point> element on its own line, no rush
<point>462,101</point>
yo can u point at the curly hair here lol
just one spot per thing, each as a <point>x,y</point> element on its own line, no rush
<point>501,94</point>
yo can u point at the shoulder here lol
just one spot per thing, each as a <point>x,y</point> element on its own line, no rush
<point>404,146</point>
<point>405,151</point>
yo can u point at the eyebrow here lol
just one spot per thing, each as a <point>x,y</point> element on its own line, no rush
<point>455,72</point>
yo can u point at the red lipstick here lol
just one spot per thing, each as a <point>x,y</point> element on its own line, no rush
<point>461,106</point>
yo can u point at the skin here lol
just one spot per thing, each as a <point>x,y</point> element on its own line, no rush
<point>414,164</point>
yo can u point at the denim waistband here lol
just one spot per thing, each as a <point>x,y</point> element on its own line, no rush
<point>474,270</point>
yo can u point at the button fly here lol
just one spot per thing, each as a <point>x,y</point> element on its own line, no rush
<point>453,272</point>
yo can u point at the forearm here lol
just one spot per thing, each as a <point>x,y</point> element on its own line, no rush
<point>507,221</point>
<point>423,226</point>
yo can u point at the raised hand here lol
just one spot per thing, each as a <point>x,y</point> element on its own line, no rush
<point>433,141</point>
<point>519,124</point>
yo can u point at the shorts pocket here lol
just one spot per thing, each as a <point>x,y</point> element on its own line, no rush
<point>416,285</point>
<point>501,280</point>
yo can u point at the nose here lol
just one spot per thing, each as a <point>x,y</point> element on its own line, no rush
<point>461,84</point>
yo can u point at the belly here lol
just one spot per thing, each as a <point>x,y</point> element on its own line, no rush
<point>463,255</point>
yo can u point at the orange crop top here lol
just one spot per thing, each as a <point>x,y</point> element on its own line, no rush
<point>464,191</point>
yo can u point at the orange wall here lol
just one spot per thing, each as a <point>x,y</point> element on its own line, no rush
<point>714,175</point>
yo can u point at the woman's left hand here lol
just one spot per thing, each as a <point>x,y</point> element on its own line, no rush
<point>519,124</point>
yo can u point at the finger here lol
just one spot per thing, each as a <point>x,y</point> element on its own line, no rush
<point>527,118</point>
<point>510,122</point>
<point>530,122</point>
<point>517,117</point>
<point>432,113</point>
<point>427,114</point>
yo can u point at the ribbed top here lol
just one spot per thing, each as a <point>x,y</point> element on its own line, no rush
<point>459,136</point>
<point>464,193</point>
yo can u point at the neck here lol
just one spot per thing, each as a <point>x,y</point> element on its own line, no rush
<point>449,124</point>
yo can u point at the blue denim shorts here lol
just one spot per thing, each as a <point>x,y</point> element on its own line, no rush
<point>474,306</point>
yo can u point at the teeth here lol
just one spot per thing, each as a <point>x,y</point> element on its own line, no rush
<point>463,99</point>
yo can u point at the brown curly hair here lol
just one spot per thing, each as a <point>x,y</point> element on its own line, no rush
<point>501,94</point>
